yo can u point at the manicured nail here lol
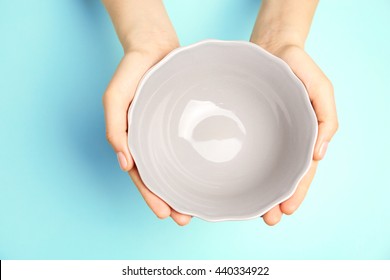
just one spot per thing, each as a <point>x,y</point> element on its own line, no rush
<point>122,160</point>
<point>323,149</point>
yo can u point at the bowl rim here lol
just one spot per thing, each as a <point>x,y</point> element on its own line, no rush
<point>289,71</point>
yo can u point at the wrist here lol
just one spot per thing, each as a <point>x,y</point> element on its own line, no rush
<point>156,42</point>
<point>276,39</point>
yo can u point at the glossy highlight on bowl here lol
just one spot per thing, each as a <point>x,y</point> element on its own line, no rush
<point>222,130</point>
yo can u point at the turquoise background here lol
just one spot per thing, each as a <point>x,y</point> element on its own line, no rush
<point>63,196</point>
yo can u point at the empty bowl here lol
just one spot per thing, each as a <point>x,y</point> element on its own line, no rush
<point>221,130</point>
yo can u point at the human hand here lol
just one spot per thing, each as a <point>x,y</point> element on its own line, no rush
<point>116,100</point>
<point>146,35</point>
<point>281,28</point>
<point>320,91</point>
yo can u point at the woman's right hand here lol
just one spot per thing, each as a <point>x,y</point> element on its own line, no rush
<point>116,100</point>
<point>147,35</point>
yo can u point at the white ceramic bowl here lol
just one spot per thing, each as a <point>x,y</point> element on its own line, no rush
<point>221,130</point>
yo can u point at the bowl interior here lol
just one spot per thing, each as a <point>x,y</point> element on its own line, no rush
<point>221,130</point>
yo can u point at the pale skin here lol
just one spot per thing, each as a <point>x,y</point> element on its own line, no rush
<point>147,35</point>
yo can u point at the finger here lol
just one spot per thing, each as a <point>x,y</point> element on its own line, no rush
<point>321,94</point>
<point>180,219</point>
<point>156,204</point>
<point>273,216</point>
<point>324,105</point>
<point>116,101</point>
<point>291,205</point>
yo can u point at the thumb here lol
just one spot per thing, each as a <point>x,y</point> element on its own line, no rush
<point>322,99</point>
<point>321,96</point>
<point>116,102</point>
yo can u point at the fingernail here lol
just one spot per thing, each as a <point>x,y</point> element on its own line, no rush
<point>323,149</point>
<point>122,160</point>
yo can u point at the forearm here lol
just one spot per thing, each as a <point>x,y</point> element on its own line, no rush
<point>141,23</point>
<point>283,22</point>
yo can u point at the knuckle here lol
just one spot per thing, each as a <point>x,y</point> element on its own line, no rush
<point>334,126</point>
<point>323,86</point>
<point>108,94</point>
<point>328,86</point>
<point>110,137</point>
